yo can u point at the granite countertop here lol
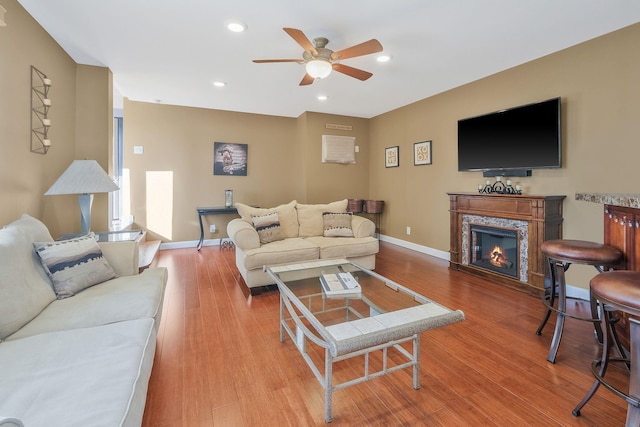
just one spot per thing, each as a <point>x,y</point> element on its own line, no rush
<point>625,200</point>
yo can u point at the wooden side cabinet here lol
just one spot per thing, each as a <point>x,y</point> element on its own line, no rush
<point>622,231</point>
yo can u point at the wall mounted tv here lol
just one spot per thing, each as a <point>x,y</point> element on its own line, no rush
<point>511,142</point>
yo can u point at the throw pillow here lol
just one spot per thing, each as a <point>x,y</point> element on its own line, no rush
<point>337,224</point>
<point>268,227</point>
<point>287,215</point>
<point>310,216</point>
<point>74,264</point>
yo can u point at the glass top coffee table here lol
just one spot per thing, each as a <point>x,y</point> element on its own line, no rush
<point>383,315</point>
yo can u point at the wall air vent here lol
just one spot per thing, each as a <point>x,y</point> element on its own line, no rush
<point>338,127</point>
<point>338,149</point>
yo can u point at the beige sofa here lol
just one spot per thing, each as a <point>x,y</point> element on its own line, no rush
<point>303,232</point>
<point>74,353</point>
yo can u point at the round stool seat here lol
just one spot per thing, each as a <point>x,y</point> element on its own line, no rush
<point>560,254</point>
<point>620,289</point>
<point>581,252</point>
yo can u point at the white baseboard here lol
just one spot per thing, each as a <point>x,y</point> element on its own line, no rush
<point>418,248</point>
<point>572,291</point>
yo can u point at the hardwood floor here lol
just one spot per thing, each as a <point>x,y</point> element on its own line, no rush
<point>219,360</point>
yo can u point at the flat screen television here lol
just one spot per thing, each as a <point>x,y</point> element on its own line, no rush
<point>513,141</point>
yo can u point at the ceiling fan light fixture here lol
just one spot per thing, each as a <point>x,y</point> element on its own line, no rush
<point>383,58</point>
<point>318,68</point>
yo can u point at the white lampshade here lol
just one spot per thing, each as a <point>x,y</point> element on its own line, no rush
<point>318,68</point>
<point>83,176</point>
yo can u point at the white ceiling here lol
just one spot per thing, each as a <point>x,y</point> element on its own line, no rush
<point>171,51</point>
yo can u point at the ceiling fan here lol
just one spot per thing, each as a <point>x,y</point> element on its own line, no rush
<point>320,61</point>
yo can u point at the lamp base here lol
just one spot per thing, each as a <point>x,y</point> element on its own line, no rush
<point>85,201</point>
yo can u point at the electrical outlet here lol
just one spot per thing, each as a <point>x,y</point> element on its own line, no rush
<point>212,228</point>
<point>408,231</point>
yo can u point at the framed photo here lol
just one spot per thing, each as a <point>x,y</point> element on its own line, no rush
<point>229,159</point>
<point>392,157</point>
<point>422,153</point>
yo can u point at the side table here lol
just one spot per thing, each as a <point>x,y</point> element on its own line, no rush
<point>219,210</point>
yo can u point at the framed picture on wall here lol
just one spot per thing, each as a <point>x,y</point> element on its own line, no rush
<point>422,153</point>
<point>230,159</point>
<point>392,157</point>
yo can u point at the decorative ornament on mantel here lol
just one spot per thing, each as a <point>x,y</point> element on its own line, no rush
<point>499,187</point>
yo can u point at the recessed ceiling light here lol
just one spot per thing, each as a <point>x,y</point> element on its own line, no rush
<point>219,84</point>
<point>383,58</point>
<point>236,26</point>
<point>322,97</point>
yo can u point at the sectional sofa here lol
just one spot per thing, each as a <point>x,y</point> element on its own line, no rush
<point>296,232</point>
<point>78,329</point>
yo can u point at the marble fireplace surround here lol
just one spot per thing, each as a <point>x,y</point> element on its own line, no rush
<point>521,227</point>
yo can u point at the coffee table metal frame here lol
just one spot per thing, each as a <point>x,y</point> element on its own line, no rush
<point>293,309</point>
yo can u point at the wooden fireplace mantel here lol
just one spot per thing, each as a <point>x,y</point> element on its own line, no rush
<point>543,215</point>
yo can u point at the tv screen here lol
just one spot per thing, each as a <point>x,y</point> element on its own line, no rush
<point>520,138</point>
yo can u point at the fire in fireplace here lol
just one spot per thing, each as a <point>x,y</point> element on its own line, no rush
<point>494,249</point>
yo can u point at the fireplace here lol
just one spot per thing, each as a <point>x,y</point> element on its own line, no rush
<point>494,249</point>
<point>518,224</point>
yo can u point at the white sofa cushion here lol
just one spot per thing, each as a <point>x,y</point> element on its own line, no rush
<point>310,216</point>
<point>123,256</point>
<point>337,247</point>
<point>281,252</point>
<point>74,264</point>
<point>25,289</point>
<point>287,216</point>
<point>83,377</point>
<point>121,299</point>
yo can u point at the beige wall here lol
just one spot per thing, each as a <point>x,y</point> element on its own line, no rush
<point>94,129</point>
<point>26,176</point>
<point>326,182</point>
<point>598,83</point>
<point>284,163</point>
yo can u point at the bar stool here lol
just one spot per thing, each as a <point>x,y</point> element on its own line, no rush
<point>561,254</point>
<point>618,290</point>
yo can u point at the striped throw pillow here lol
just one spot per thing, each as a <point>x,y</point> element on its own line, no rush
<point>74,264</point>
<point>268,227</point>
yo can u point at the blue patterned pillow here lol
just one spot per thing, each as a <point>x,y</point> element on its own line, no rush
<point>268,227</point>
<point>74,264</point>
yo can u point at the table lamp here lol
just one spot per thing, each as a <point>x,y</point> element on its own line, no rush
<point>83,177</point>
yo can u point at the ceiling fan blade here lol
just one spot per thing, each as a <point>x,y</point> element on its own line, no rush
<point>366,48</point>
<point>301,39</point>
<point>352,72</point>
<point>306,80</point>
<point>262,61</point>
